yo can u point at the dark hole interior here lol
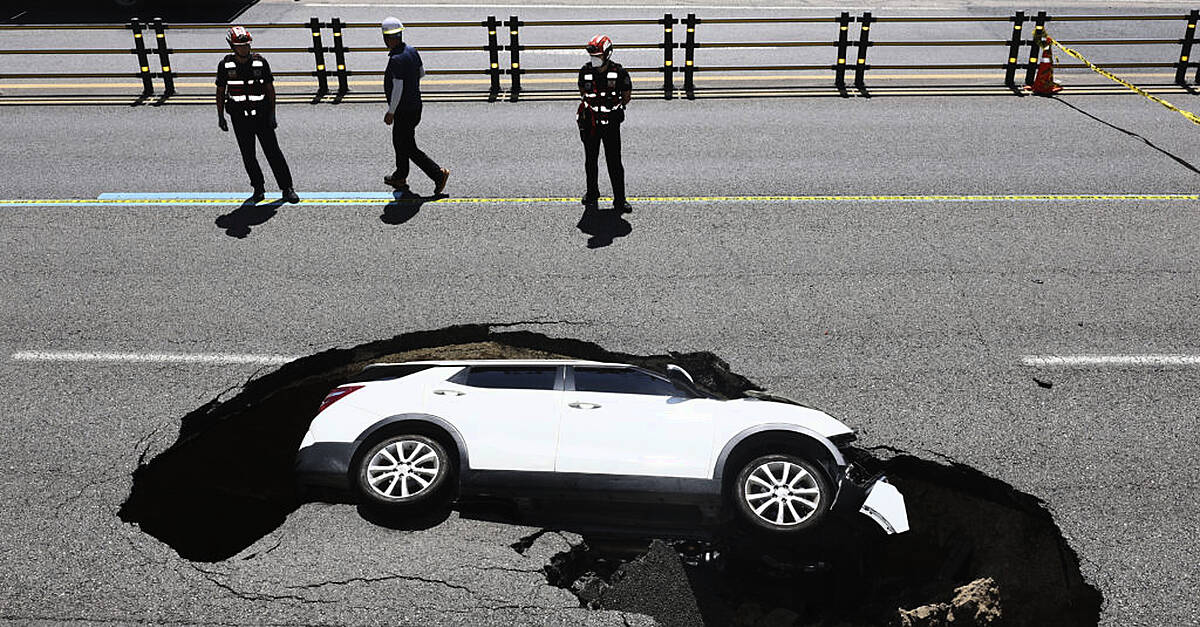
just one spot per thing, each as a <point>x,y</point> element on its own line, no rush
<point>227,481</point>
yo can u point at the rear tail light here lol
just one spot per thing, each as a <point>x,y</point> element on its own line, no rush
<point>337,393</point>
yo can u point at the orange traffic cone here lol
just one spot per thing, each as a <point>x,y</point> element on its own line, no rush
<point>1044,83</point>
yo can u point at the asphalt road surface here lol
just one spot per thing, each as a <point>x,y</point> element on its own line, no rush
<point>912,318</point>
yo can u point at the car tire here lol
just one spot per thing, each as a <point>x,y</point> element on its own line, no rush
<point>781,494</point>
<point>403,471</point>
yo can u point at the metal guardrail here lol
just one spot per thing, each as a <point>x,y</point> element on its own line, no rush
<point>853,36</point>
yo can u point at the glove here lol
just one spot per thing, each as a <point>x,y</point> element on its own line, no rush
<point>222,123</point>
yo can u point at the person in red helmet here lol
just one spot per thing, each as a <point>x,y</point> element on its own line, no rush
<point>605,89</point>
<point>246,89</point>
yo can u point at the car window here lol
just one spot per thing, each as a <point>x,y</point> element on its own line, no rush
<point>625,381</point>
<point>513,378</point>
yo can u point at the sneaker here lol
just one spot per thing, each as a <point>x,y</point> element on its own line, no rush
<point>622,206</point>
<point>258,195</point>
<point>289,195</point>
<point>437,190</point>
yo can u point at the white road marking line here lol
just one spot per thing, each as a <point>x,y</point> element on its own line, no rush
<point>153,358</point>
<point>1111,361</point>
<point>678,7</point>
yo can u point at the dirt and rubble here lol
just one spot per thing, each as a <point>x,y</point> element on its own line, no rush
<point>979,552</point>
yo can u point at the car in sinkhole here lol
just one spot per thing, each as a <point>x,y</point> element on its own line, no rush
<point>405,436</point>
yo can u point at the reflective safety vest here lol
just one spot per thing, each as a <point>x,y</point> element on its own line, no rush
<point>602,91</point>
<point>245,90</point>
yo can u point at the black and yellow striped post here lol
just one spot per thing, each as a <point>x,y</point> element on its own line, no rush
<point>164,56</point>
<point>514,54</point>
<point>1189,37</point>
<point>843,47</point>
<point>668,23</point>
<point>139,48</point>
<point>493,46</point>
<point>339,56</point>
<point>318,51</point>
<point>1035,46</point>
<point>864,42</point>
<point>689,56</point>
<point>1014,50</point>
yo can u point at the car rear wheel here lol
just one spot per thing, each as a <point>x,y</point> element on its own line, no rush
<point>404,470</point>
<point>782,493</point>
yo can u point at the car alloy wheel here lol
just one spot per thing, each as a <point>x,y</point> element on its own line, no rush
<point>403,469</point>
<point>782,493</point>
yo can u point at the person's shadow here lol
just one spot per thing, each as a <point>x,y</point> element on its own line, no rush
<point>405,206</point>
<point>604,226</point>
<point>237,223</point>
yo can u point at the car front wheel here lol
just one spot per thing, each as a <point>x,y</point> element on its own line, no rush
<point>782,493</point>
<point>404,470</point>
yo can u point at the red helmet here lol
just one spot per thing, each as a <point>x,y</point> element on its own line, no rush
<point>600,46</point>
<point>238,35</point>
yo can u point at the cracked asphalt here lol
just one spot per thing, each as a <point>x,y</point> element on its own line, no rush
<point>906,320</point>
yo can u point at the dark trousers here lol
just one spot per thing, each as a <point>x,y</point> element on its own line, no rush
<point>610,136</point>
<point>404,140</point>
<point>249,127</point>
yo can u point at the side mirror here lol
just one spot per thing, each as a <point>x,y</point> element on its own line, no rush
<point>676,371</point>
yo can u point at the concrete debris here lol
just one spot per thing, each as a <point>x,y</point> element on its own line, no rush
<point>656,585</point>
<point>976,604</point>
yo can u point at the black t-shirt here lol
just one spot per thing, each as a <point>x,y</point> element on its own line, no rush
<point>245,83</point>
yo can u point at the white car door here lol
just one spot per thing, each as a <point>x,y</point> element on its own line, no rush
<point>623,421</point>
<point>508,415</point>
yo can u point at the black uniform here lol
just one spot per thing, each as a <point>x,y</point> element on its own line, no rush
<point>404,63</point>
<point>245,99</point>
<point>599,117</point>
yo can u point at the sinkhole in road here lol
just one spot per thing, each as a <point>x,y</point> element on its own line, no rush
<point>979,552</point>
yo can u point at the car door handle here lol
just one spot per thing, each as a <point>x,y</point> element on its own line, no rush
<point>583,405</point>
<point>448,392</point>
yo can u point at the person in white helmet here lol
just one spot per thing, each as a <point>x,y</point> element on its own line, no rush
<point>246,89</point>
<point>402,86</point>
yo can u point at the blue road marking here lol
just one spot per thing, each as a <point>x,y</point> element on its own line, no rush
<point>241,196</point>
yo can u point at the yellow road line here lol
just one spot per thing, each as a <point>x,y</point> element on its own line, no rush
<point>643,199</point>
<point>564,81</point>
<point>533,96</point>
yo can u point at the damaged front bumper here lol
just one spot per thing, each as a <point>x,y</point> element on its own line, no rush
<point>873,497</point>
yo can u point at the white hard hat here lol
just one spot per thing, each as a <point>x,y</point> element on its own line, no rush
<point>392,26</point>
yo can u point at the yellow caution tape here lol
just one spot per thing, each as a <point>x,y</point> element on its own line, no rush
<point>1109,75</point>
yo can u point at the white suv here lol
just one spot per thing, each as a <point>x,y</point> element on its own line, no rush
<point>405,435</point>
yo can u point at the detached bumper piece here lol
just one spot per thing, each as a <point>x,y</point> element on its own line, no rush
<point>873,497</point>
<point>885,505</point>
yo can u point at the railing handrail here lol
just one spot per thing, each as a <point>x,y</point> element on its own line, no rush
<point>852,42</point>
